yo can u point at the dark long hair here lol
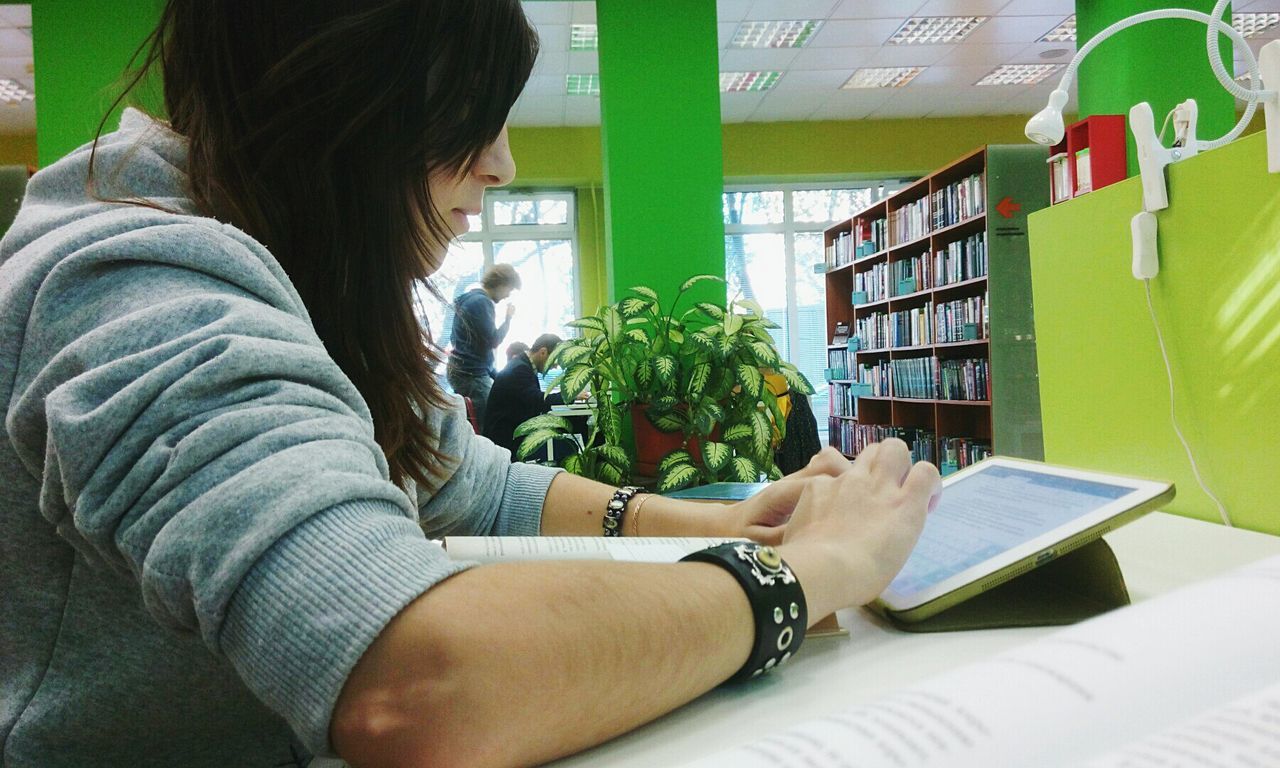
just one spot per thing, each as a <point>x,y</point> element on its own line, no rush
<point>313,126</point>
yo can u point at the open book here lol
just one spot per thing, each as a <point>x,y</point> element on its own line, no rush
<point>656,549</point>
<point>1187,679</point>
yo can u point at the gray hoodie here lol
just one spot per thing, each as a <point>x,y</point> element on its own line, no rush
<point>198,539</point>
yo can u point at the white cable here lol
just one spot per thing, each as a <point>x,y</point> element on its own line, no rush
<point>1215,26</point>
<point>1173,414</point>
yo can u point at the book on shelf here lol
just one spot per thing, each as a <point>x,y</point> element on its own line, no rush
<point>1059,177</point>
<point>958,201</point>
<point>1084,172</point>
<point>1132,688</point>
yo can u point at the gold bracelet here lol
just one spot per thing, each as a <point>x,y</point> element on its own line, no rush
<point>635,516</point>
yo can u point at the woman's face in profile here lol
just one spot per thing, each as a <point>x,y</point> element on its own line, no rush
<point>461,195</point>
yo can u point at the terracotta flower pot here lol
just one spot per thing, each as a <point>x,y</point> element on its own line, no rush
<point>652,444</point>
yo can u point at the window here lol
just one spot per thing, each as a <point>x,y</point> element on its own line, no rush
<point>532,231</point>
<point>773,241</point>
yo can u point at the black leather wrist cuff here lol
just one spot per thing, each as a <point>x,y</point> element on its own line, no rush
<point>777,602</point>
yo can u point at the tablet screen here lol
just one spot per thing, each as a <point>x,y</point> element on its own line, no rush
<point>991,512</point>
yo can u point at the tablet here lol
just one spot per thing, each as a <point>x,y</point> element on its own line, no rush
<point>1002,517</point>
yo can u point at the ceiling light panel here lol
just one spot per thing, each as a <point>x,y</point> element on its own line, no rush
<point>882,77</point>
<point>12,92</point>
<point>744,82</point>
<point>1254,24</point>
<point>930,30</point>
<point>775,34</point>
<point>1019,74</point>
<point>582,85</point>
<point>1063,33</point>
<point>584,37</point>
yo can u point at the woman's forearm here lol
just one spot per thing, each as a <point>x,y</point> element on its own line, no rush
<point>519,663</point>
<point>575,507</point>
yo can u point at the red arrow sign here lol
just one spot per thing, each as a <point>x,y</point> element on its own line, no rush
<point>1007,207</point>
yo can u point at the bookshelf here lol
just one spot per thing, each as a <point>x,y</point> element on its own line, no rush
<point>934,282</point>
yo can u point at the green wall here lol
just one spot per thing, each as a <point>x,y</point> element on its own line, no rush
<point>1104,396</point>
<point>81,50</point>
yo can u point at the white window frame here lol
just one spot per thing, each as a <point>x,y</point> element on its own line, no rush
<point>490,233</point>
<point>789,228</point>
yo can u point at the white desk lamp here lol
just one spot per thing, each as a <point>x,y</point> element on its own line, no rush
<point>1046,127</point>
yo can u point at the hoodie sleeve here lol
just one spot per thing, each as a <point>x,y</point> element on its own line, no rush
<point>187,427</point>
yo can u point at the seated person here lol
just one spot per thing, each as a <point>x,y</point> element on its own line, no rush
<point>516,396</point>
<point>515,349</point>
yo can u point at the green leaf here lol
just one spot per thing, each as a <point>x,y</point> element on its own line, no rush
<point>774,473</point>
<point>588,322</point>
<point>728,344</point>
<point>744,470</point>
<point>714,411</point>
<point>615,455</point>
<point>737,432</point>
<point>534,441</point>
<point>703,422</point>
<point>608,473</point>
<point>675,457</point>
<point>795,379</point>
<point>751,306</point>
<point>697,279</point>
<point>644,373</point>
<point>703,341</point>
<point>633,306</point>
<point>767,323</point>
<point>761,434</point>
<point>750,378</point>
<point>638,335</point>
<point>665,366</point>
<point>732,324</point>
<point>711,310</point>
<point>574,381</point>
<point>545,421</point>
<point>644,291</point>
<point>669,422</point>
<point>573,464</point>
<point>716,455</point>
<point>765,353</point>
<point>698,378</point>
<point>612,322</point>
<point>663,405</point>
<point>572,353</point>
<point>609,423</point>
<point>677,476</point>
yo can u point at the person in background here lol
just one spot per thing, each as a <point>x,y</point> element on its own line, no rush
<point>223,454</point>
<point>515,349</point>
<point>516,395</point>
<point>470,369</point>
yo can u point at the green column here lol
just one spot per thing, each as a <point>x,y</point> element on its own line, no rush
<point>1160,62</point>
<point>660,137</point>
<point>81,52</point>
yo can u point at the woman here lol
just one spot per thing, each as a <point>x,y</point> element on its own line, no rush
<point>222,431</point>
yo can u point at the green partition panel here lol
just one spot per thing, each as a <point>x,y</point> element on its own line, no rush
<point>1104,396</point>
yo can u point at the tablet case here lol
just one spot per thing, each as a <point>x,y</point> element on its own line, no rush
<point>1076,586</point>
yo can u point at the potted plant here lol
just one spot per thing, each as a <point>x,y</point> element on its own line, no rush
<point>697,377</point>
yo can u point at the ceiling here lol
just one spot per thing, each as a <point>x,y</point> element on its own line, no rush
<point>853,34</point>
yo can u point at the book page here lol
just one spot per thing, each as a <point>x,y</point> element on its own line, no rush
<point>1070,696</point>
<point>1245,732</point>
<point>658,549</point>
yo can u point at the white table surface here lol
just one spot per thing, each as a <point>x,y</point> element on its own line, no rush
<point>1157,553</point>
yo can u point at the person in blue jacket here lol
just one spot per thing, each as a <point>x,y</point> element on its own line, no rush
<point>470,370</point>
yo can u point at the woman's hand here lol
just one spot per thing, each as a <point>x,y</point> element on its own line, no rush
<point>851,533</point>
<point>763,517</point>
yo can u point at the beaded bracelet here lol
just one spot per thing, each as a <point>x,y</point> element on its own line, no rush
<point>777,602</point>
<point>614,509</point>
